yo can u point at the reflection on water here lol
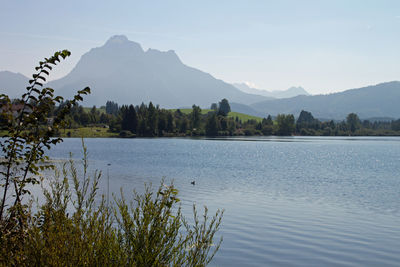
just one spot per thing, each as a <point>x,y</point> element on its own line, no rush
<point>292,201</point>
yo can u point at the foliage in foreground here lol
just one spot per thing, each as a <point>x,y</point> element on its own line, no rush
<point>28,135</point>
<point>70,228</point>
<point>73,228</point>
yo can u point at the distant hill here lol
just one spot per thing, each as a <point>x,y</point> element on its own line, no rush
<point>245,109</point>
<point>13,84</point>
<point>381,100</point>
<point>233,114</point>
<point>291,92</point>
<point>123,72</point>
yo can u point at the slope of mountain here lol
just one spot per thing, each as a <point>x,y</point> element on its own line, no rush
<point>291,92</point>
<point>13,84</point>
<point>121,71</point>
<point>245,109</point>
<point>381,100</point>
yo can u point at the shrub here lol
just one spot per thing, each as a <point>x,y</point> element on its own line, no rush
<point>126,134</point>
<point>70,229</point>
<point>28,133</point>
<point>249,131</point>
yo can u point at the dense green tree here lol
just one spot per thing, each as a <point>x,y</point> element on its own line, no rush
<point>170,122</point>
<point>212,126</point>
<point>214,106</point>
<point>94,115</point>
<point>162,123</point>
<point>223,121</point>
<point>231,126</point>
<point>306,120</point>
<point>178,113</point>
<point>285,124</point>
<point>353,122</point>
<point>366,124</point>
<point>152,119</point>
<point>267,129</point>
<point>84,118</point>
<point>129,118</point>
<point>195,116</point>
<point>395,125</point>
<point>305,117</point>
<point>267,121</point>
<point>104,118</point>
<point>184,125</point>
<point>142,110</point>
<point>112,108</point>
<point>142,129</point>
<point>224,108</point>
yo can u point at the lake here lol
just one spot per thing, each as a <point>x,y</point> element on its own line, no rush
<point>294,201</point>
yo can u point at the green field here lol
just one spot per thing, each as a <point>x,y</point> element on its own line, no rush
<point>189,110</point>
<point>241,116</point>
<point>88,132</point>
<point>244,117</point>
<point>101,109</point>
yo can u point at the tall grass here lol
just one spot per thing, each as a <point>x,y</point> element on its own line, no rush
<point>74,228</point>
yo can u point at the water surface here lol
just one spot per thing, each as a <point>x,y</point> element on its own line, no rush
<point>295,201</point>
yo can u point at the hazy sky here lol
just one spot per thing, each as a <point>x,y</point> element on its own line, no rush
<point>323,46</point>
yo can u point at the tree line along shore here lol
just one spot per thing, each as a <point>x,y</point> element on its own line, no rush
<point>149,120</point>
<point>113,120</point>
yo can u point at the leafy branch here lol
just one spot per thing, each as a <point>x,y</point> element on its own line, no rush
<point>29,129</point>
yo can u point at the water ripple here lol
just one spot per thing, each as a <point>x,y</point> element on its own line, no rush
<point>296,201</point>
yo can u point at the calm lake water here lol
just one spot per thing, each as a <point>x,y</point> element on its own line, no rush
<point>292,201</point>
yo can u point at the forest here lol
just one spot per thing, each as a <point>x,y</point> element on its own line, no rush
<point>149,120</point>
<point>152,121</point>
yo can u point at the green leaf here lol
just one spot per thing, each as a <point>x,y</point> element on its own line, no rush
<point>42,78</point>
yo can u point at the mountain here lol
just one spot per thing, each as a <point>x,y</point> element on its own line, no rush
<point>245,109</point>
<point>291,92</point>
<point>13,84</point>
<point>123,72</point>
<point>247,89</point>
<point>381,100</point>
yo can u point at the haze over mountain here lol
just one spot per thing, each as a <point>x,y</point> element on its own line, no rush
<point>381,100</point>
<point>291,92</point>
<point>122,71</point>
<point>245,109</point>
<point>13,84</point>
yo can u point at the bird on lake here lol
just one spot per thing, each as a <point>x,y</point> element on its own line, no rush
<point>193,182</point>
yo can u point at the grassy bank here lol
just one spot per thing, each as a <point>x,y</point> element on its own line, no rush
<point>100,109</point>
<point>88,132</point>
<point>243,117</point>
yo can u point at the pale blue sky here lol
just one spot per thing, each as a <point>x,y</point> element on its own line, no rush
<point>323,46</point>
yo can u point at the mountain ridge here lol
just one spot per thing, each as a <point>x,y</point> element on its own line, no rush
<point>13,83</point>
<point>290,92</point>
<point>134,76</point>
<point>378,100</point>
<point>121,71</point>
